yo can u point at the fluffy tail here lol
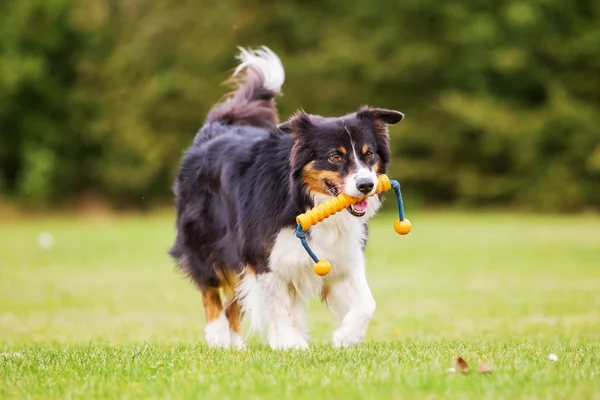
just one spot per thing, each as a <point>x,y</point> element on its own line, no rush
<point>252,103</point>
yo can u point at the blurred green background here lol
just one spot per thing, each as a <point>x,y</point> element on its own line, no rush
<point>98,98</point>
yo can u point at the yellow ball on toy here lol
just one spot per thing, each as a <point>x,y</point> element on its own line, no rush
<point>402,227</point>
<point>322,267</point>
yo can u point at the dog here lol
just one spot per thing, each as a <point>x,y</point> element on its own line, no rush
<point>241,185</point>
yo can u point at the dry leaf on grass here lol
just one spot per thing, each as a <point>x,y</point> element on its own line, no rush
<point>462,365</point>
<point>484,369</point>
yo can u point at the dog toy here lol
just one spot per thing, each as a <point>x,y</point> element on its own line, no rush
<point>332,206</point>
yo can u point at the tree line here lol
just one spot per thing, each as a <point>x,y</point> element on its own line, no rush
<point>502,99</point>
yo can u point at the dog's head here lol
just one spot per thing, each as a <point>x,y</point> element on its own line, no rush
<point>340,155</point>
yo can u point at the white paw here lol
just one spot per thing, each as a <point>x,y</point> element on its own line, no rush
<point>292,340</point>
<point>345,339</point>
<point>217,332</point>
<point>237,341</point>
<point>290,345</point>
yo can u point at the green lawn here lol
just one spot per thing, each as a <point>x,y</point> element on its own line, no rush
<point>103,314</point>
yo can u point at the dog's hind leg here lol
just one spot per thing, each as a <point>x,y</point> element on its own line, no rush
<point>210,284</point>
<point>217,325</point>
<point>233,308</point>
<point>233,311</point>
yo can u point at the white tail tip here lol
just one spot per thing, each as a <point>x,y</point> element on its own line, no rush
<point>265,61</point>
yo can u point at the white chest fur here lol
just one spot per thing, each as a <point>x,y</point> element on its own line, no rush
<point>270,300</point>
<point>337,239</point>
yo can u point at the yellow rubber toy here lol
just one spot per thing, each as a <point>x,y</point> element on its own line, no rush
<point>322,268</point>
<point>332,206</point>
<point>337,204</point>
<point>402,227</point>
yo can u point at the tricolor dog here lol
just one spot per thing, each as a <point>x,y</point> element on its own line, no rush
<point>241,185</point>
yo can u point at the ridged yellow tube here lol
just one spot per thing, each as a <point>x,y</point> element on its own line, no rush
<point>337,204</point>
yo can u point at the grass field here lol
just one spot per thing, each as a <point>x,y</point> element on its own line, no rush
<point>103,314</point>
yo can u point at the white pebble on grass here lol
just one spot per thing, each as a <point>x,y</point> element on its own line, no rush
<point>46,240</point>
<point>451,370</point>
<point>553,357</point>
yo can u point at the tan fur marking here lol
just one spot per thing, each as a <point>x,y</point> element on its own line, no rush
<point>213,306</point>
<point>365,148</point>
<point>324,293</point>
<point>376,167</point>
<point>342,150</point>
<point>315,179</point>
<point>234,316</point>
<point>233,310</point>
<point>229,280</point>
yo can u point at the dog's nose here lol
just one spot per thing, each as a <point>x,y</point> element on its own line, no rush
<point>365,185</point>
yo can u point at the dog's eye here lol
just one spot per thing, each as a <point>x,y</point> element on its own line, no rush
<point>335,158</point>
<point>368,155</point>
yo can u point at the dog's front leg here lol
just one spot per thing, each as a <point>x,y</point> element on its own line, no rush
<point>351,301</point>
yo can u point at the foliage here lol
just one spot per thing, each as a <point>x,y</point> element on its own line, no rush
<point>502,98</point>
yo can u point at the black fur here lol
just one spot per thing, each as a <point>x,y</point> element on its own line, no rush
<point>241,181</point>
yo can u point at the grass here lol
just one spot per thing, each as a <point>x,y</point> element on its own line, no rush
<point>103,314</point>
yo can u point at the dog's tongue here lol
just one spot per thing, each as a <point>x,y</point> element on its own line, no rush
<point>361,205</point>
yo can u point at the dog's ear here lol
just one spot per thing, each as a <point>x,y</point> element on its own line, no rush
<point>389,117</point>
<point>285,127</point>
<point>300,127</point>
<point>381,118</point>
<point>299,123</point>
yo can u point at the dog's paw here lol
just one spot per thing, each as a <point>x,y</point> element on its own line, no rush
<point>237,341</point>
<point>217,334</point>
<point>345,339</point>
<point>286,337</point>
<point>289,342</point>
<point>290,345</point>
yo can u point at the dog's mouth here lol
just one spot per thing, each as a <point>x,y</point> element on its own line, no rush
<point>358,209</point>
